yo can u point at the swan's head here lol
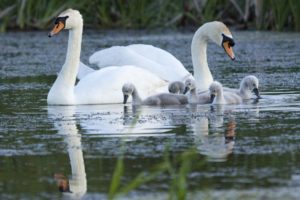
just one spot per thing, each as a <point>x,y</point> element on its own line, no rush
<point>219,33</point>
<point>189,85</point>
<point>215,89</point>
<point>250,83</point>
<point>68,19</point>
<point>127,90</point>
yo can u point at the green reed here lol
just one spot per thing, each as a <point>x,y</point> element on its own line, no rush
<point>267,14</point>
<point>280,12</point>
<point>295,9</point>
<point>176,169</point>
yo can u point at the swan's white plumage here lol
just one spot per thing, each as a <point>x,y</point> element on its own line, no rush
<point>104,86</point>
<point>83,70</point>
<point>95,86</point>
<point>164,64</point>
<point>153,59</point>
<point>154,67</point>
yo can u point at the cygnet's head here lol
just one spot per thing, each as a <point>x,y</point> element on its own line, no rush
<point>219,33</point>
<point>68,19</point>
<point>176,87</point>
<point>189,85</point>
<point>215,89</point>
<point>127,90</point>
<point>250,83</point>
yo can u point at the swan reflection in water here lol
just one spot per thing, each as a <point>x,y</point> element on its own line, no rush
<point>65,123</point>
<point>213,137</point>
<point>92,122</point>
<point>117,120</point>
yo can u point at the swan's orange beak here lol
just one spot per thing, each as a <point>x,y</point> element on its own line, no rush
<point>228,49</point>
<point>57,28</point>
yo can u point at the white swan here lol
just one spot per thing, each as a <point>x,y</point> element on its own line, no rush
<point>161,99</point>
<point>96,87</point>
<point>220,97</point>
<point>166,66</point>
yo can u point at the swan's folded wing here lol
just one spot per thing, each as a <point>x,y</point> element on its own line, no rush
<point>113,56</point>
<point>84,70</point>
<point>155,60</point>
<point>171,65</point>
<point>158,55</point>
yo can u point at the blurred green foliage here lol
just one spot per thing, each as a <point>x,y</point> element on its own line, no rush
<point>260,14</point>
<point>176,168</point>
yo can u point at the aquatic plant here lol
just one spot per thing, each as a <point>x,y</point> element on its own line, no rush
<point>176,169</point>
<point>280,12</point>
<point>116,178</point>
<point>268,14</point>
<point>295,9</point>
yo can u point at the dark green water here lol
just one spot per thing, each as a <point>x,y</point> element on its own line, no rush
<point>260,161</point>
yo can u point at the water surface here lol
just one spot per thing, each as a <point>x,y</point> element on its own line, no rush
<point>244,151</point>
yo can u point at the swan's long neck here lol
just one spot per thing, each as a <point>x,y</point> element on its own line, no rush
<point>220,97</point>
<point>136,99</point>
<point>78,182</point>
<point>193,96</point>
<point>62,91</point>
<point>70,68</point>
<point>245,92</point>
<point>202,74</point>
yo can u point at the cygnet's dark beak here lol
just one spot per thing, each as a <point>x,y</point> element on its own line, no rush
<point>50,35</point>
<point>186,89</point>
<point>256,92</point>
<point>212,97</point>
<point>125,98</point>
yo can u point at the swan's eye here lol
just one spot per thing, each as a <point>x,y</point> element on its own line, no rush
<point>230,41</point>
<point>61,19</point>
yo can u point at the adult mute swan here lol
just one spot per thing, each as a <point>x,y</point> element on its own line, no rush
<point>166,66</point>
<point>96,87</point>
<point>161,99</point>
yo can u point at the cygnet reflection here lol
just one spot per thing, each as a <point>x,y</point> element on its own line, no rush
<point>213,137</point>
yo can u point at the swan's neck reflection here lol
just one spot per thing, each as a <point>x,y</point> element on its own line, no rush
<point>78,180</point>
<point>65,124</point>
<point>212,139</point>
